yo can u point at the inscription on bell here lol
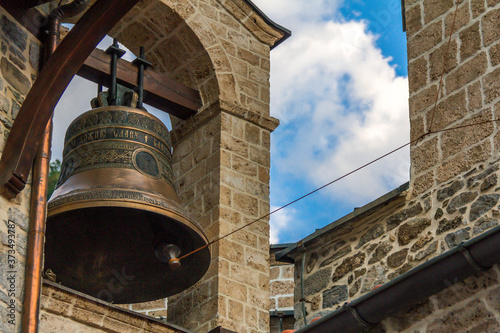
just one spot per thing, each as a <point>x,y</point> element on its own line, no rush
<point>111,133</point>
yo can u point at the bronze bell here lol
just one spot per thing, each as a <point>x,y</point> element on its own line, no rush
<point>114,221</point>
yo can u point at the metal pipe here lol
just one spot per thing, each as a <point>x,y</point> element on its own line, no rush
<point>414,286</point>
<point>38,206</point>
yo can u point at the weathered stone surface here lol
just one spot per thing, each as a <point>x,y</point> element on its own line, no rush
<point>460,200</point>
<point>489,182</point>
<point>473,317</point>
<point>353,290</point>
<point>339,254</point>
<point>397,259</point>
<point>449,191</point>
<point>482,205</point>
<point>474,179</point>
<point>317,281</point>
<point>427,252</point>
<point>493,299</point>
<point>466,288</point>
<point>457,237</point>
<point>371,234</point>
<point>446,225</point>
<point>404,319</point>
<point>412,229</point>
<point>403,269</point>
<point>380,252</point>
<point>439,214</point>
<point>14,76</point>
<point>421,242</point>
<point>374,277</point>
<point>359,272</point>
<point>34,55</point>
<point>17,58</point>
<point>17,36</point>
<point>311,262</point>
<point>484,223</point>
<point>348,265</point>
<point>394,220</point>
<point>334,296</point>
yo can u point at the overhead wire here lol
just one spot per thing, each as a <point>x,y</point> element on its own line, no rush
<point>429,132</point>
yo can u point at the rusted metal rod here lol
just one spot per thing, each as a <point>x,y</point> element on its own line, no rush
<point>38,207</point>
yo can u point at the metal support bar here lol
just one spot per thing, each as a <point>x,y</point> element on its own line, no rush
<point>142,64</point>
<point>115,52</point>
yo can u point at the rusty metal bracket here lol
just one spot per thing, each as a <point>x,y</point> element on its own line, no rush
<point>28,128</point>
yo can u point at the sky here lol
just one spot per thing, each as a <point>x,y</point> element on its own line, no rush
<point>340,90</point>
<point>339,87</point>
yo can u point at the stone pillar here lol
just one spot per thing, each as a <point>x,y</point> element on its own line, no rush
<point>19,59</point>
<point>471,87</point>
<point>222,158</point>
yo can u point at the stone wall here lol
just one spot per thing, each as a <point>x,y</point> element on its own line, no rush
<point>454,192</point>
<point>19,62</point>
<point>280,282</point>
<point>64,310</point>
<point>468,306</point>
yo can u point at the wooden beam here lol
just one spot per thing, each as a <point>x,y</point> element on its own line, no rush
<point>159,91</point>
<point>38,107</point>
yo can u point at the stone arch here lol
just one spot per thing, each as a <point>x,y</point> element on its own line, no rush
<point>181,44</point>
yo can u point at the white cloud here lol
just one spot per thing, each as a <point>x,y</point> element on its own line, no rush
<point>280,222</point>
<point>339,101</point>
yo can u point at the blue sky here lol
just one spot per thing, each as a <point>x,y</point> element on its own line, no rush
<point>339,87</point>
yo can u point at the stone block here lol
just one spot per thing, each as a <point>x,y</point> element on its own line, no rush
<point>412,229</point>
<point>14,76</point>
<point>491,83</point>
<point>397,259</point>
<point>466,72</point>
<point>380,252</point>
<point>283,287</point>
<point>477,7</point>
<point>349,264</point>
<point>460,200</point>
<point>437,57</point>
<point>336,255</point>
<point>373,233</point>
<point>482,205</point>
<point>257,260</point>
<point>491,27</point>
<point>245,204</point>
<point>234,145</point>
<point>396,219</point>
<point>475,98</point>
<point>470,41</point>
<point>419,70</point>
<point>422,100</point>
<point>334,296</point>
<point>13,33</point>
<point>448,111</point>
<point>461,20</point>
<point>426,39</point>
<point>417,128</point>
<point>447,225</point>
<point>495,54</point>
<point>425,155</point>
<point>405,319</point>
<point>455,238</point>
<point>317,281</point>
<point>435,8</point>
<point>413,17</point>
<point>465,289</point>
